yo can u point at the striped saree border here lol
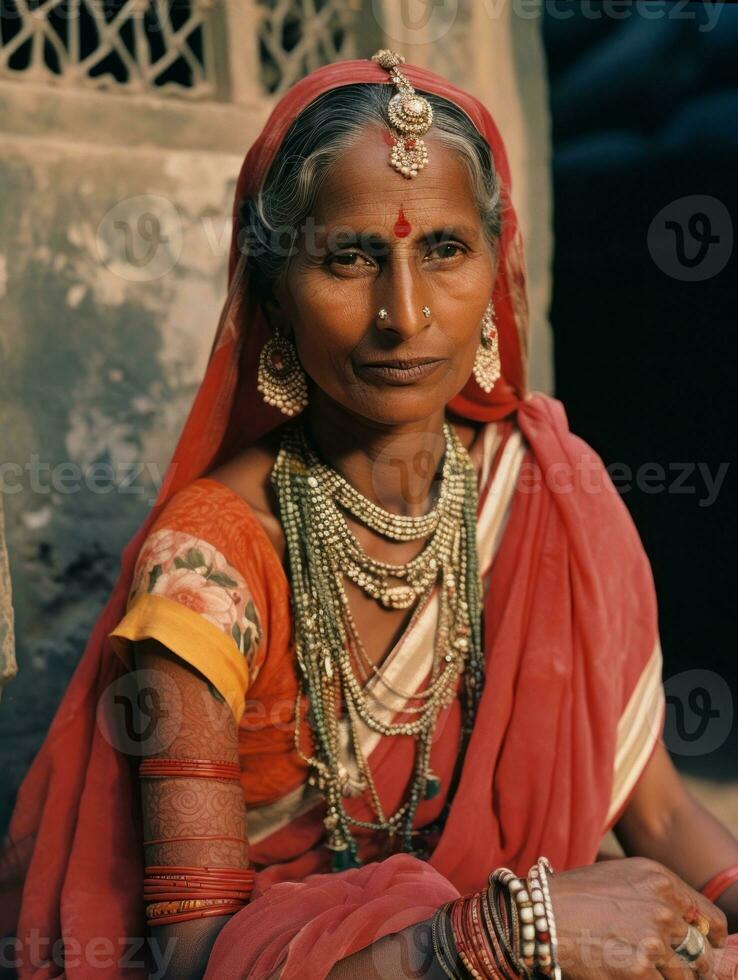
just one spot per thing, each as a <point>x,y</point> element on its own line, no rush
<point>639,729</point>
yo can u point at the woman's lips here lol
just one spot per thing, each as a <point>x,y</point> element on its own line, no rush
<point>399,375</point>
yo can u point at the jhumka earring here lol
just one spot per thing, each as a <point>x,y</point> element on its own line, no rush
<point>487,368</point>
<point>280,377</point>
<point>410,117</point>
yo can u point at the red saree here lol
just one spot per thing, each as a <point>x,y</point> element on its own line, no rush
<point>570,712</point>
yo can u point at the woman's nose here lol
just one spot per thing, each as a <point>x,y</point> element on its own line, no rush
<point>404,299</point>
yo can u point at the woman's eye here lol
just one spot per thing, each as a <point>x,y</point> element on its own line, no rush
<point>349,260</point>
<point>441,250</point>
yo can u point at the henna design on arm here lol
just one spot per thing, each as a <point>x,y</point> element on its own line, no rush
<point>191,806</point>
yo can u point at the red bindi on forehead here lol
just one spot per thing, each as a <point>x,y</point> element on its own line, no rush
<point>402,226</point>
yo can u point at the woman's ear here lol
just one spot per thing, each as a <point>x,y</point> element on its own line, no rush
<point>273,306</point>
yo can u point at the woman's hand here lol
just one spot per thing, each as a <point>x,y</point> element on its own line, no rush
<point>621,919</point>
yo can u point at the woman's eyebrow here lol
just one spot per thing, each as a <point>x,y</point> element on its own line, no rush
<point>348,237</point>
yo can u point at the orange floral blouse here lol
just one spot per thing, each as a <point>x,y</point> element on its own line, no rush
<point>208,584</point>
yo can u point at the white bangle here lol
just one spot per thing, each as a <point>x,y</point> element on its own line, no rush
<point>547,953</point>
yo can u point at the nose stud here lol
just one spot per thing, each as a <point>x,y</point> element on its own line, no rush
<point>383,314</point>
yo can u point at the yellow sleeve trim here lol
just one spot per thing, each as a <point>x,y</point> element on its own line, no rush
<point>194,639</point>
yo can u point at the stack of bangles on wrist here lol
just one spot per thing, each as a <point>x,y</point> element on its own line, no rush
<point>504,931</point>
<point>178,894</point>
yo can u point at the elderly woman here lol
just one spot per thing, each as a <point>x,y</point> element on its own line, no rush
<point>394,632</point>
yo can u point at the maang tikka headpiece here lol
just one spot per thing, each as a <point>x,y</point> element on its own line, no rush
<point>410,116</point>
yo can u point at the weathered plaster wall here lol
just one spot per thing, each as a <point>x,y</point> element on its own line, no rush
<point>113,272</point>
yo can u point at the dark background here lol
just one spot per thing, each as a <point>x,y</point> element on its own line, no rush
<point>645,113</point>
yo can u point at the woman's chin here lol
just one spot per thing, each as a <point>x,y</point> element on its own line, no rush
<point>389,404</point>
<point>397,406</point>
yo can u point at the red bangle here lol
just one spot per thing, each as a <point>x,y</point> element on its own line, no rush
<point>720,883</point>
<point>193,763</point>
<point>193,885</point>
<point>199,871</point>
<point>173,895</point>
<point>484,948</point>
<point>189,883</point>
<point>199,914</point>
<point>200,768</point>
<point>457,931</point>
<point>470,938</point>
<point>215,891</point>
<point>176,875</point>
<point>498,952</point>
<point>169,840</point>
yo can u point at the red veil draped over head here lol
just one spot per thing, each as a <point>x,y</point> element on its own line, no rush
<point>569,625</point>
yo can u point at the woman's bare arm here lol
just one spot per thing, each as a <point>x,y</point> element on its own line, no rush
<point>664,822</point>
<point>188,719</point>
<point>407,955</point>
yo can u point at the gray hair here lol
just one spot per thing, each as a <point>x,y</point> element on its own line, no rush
<point>323,131</point>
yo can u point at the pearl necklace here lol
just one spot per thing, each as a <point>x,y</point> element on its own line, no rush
<point>370,574</point>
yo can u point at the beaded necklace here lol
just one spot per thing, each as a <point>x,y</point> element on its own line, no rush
<point>322,550</point>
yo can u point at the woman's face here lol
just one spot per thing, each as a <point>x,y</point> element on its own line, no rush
<point>378,240</point>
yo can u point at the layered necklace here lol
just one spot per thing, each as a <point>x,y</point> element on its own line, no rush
<point>333,665</point>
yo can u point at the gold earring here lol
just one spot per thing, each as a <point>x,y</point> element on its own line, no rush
<point>280,377</point>
<point>487,368</point>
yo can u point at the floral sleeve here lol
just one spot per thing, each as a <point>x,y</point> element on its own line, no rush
<point>188,595</point>
<point>195,574</point>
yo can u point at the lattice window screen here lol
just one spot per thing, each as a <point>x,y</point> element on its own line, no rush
<point>297,36</point>
<point>162,46</point>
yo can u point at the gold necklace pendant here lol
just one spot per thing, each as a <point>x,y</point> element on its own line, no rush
<point>397,597</point>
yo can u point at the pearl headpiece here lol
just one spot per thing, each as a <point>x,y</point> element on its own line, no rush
<point>410,116</point>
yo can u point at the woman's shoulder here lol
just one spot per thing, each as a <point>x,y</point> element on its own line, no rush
<point>247,473</point>
<point>207,550</point>
<point>218,507</point>
<point>246,476</point>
